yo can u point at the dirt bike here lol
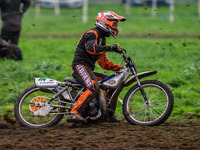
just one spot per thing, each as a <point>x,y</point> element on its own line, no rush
<point>147,103</point>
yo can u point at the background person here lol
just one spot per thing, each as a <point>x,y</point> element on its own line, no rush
<point>11,16</point>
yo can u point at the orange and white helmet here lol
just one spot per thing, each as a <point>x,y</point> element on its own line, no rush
<point>108,21</point>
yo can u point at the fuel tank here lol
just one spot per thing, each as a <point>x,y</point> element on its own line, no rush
<point>112,81</point>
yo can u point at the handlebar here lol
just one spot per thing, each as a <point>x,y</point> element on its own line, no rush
<point>128,60</point>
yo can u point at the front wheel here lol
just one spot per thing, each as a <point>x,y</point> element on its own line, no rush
<point>161,99</point>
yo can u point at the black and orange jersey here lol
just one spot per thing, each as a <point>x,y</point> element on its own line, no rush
<point>92,48</point>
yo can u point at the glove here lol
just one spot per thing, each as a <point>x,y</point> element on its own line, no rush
<point>117,48</point>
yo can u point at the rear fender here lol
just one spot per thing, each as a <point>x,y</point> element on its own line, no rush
<point>140,76</point>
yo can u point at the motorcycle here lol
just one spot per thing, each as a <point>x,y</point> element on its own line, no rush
<point>147,103</point>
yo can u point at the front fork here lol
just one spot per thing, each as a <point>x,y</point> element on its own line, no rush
<point>146,101</point>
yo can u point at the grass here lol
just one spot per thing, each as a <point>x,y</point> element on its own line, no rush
<point>176,60</point>
<point>177,65</point>
<point>139,22</point>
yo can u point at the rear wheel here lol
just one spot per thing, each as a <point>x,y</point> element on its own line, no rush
<point>26,113</point>
<point>160,97</point>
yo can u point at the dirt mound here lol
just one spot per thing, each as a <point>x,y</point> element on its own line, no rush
<point>106,136</point>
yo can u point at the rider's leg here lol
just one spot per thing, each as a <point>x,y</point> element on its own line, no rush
<point>86,77</point>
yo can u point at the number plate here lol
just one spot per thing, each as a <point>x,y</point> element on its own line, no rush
<point>45,82</point>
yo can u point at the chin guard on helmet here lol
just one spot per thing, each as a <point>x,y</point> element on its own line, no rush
<point>108,21</point>
<point>113,32</point>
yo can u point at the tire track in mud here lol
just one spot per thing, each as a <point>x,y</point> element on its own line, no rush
<point>102,135</point>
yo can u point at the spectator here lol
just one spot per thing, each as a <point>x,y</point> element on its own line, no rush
<point>11,16</point>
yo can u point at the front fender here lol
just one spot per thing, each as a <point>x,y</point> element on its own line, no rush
<point>140,76</point>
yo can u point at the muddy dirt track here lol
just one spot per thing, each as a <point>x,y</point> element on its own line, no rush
<point>102,136</point>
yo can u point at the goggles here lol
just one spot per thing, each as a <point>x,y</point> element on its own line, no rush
<point>112,24</point>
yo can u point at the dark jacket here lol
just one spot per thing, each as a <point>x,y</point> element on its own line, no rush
<point>92,48</point>
<point>11,14</point>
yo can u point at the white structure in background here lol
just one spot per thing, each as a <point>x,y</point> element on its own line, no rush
<point>171,11</point>
<point>62,3</point>
<point>154,8</point>
<point>57,8</point>
<point>56,4</point>
<point>127,5</point>
<point>37,9</point>
<point>85,11</point>
<point>199,9</point>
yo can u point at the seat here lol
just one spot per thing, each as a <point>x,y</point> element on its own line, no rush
<point>73,81</point>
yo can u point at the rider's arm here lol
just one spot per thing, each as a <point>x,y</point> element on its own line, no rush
<point>91,44</point>
<point>106,64</point>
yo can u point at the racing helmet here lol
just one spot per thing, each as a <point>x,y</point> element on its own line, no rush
<point>108,21</point>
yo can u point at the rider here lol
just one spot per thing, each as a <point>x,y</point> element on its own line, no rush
<point>90,49</point>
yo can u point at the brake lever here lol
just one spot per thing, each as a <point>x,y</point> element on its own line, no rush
<point>124,54</point>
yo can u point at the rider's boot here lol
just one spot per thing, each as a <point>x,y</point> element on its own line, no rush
<point>78,111</point>
<point>75,117</point>
<point>111,109</point>
<point>114,119</point>
<point>111,116</point>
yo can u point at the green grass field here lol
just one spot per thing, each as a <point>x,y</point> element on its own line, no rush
<point>140,21</point>
<point>177,60</point>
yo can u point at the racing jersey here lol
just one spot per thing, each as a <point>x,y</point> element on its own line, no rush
<point>92,48</point>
